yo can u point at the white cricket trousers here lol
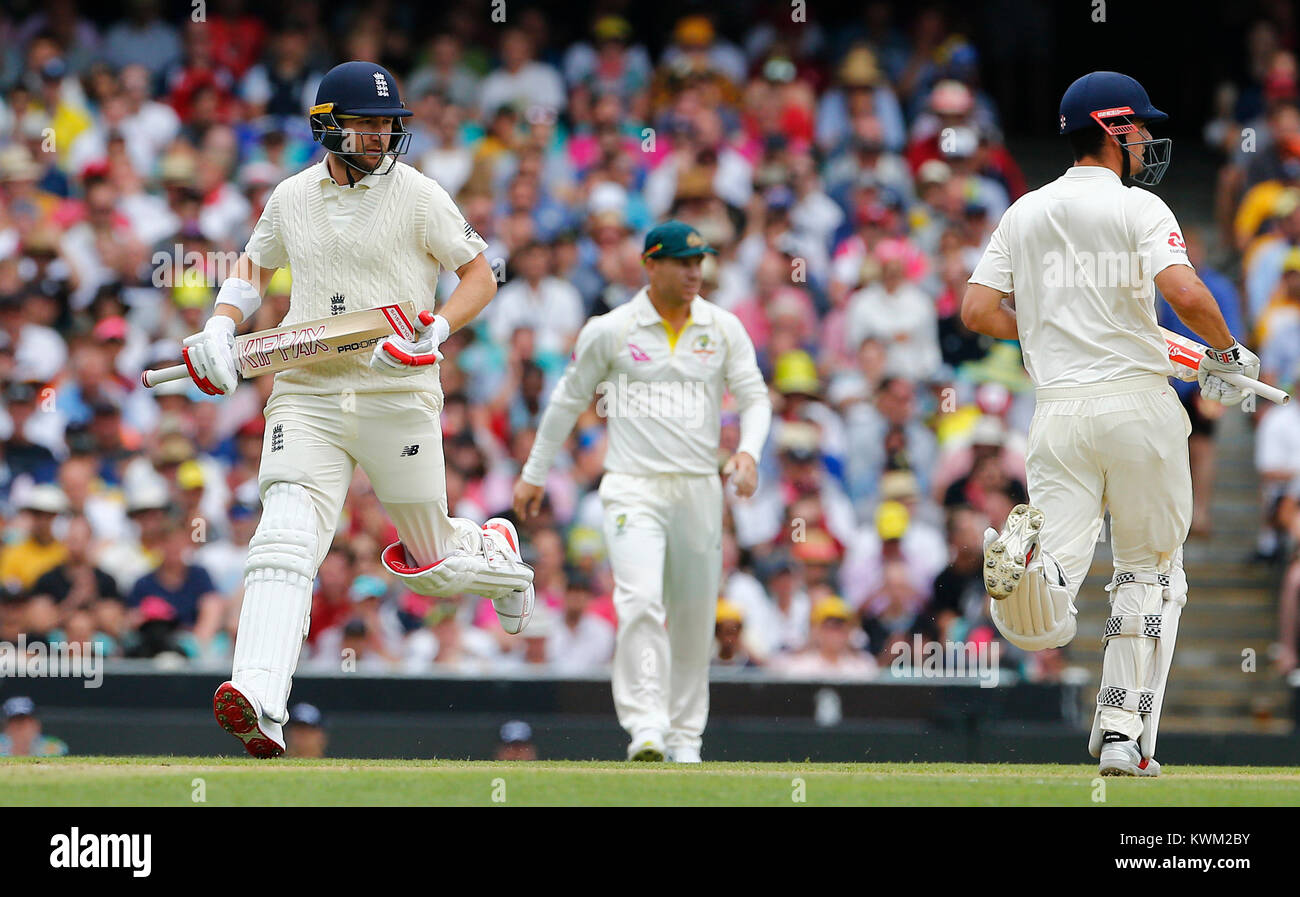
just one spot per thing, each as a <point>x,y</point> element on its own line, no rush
<point>396,437</point>
<point>664,537</point>
<point>1122,446</point>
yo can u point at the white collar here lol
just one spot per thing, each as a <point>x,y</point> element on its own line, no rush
<point>646,313</point>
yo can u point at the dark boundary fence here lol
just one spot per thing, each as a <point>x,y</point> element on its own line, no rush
<point>139,712</point>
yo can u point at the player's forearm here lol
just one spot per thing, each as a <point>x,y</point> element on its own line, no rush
<point>556,425</point>
<point>983,310</point>
<point>1195,306</point>
<point>476,288</point>
<point>755,422</point>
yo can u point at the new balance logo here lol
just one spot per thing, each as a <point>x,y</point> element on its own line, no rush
<point>381,84</point>
<point>277,437</point>
<point>470,233</point>
<point>409,450</point>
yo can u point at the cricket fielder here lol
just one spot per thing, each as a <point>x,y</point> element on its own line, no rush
<point>359,229</point>
<point>1081,255</point>
<point>660,364</point>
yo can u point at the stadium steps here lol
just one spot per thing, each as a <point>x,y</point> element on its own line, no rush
<point>1232,607</point>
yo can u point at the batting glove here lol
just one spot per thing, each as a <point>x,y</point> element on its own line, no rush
<point>210,356</point>
<point>400,357</point>
<point>1236,359</point>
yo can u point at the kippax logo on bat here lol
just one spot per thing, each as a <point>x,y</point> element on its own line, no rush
<point>303,341</point>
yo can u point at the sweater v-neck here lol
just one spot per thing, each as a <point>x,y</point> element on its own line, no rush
<point>360,219</point>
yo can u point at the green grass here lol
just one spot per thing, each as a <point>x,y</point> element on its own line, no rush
<point>152,781</point>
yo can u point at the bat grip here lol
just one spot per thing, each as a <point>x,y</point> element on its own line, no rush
<point>163,375</point>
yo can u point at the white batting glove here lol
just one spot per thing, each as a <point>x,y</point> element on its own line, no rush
<point>1236,359</point>
<point>399,357</point>
<point>210,356</point>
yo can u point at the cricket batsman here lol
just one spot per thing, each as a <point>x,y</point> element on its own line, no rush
<point>660,365</point>
<point>360,229</point>
<point>1108,431</point>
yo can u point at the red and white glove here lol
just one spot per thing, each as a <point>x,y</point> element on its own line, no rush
<point>210,356</point>
<point>399,357</point>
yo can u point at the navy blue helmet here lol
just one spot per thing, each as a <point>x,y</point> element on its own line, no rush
<point>359,90</point>
<point>1117,104</point>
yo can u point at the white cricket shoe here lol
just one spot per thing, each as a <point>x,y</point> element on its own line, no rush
<point>646,747</point>
<point>515,609</point>
<point>684,755</point>
<point>1123,758</point>
<point>1007,554</point>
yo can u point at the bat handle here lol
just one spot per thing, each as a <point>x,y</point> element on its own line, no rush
<point>152,378</point>
<point>1259,388</point>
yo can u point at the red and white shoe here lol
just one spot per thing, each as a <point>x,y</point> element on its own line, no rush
<point>516,609</point>
<point>239,715</point>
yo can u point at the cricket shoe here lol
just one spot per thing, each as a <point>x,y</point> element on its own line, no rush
<point>515,609</point>
<point>241,716</point>
<point>1007,554</point>
<point>684,755</point>
<point>1122,758</point>
<point>646,747</point>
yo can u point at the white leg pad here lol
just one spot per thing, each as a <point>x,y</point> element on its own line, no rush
<point>275,615</point>
<point>477,566</point>
<point>1039,613</point>
<point>1139,649</point>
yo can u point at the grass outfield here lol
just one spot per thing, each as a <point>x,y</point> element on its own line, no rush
<point>151,781</point>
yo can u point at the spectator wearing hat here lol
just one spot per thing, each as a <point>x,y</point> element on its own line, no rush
<point>22,733</point>
<point>609,64</point>
<point>23,562</point>
<point>305,735</point>
<point>156,633</point>
<point>729,649</point>
<point>862,91</point>
<point>891,540</point>
<point>25,451</point>
<point>149,510</point>
<point>696,47</point>
<point>830,654</point>
<point>515,742</point>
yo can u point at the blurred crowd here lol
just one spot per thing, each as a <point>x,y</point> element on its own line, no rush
<point>849,173</point>
<point>1255,130</point>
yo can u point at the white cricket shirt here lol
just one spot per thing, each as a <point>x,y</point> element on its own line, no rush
<point>1081,254</point>
<point>661,397</point>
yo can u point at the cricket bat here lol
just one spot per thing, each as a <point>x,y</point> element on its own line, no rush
<point>1186,354</point>
<point>281,348</point>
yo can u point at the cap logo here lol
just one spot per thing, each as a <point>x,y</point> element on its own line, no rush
<point>693,239</point>
<point>1062,124</point>
<point>381,84</point>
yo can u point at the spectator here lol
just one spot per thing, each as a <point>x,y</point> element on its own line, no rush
<point>830,656</point>
<point>729,644</point>
<point>305,735</point>
<point>23,563</point>
<point>22,734</point>
<point>515,742</point>
<point>583,642</point>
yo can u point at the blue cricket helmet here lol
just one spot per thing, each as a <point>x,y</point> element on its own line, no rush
<point>1116,103</point>
<point>361,90</point>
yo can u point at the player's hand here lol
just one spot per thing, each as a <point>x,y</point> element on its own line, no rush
<point>1236,359</point>
<point>399,357</point>
<point>528,499</point>
<point>741,471</point>
<point>210,356</point>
